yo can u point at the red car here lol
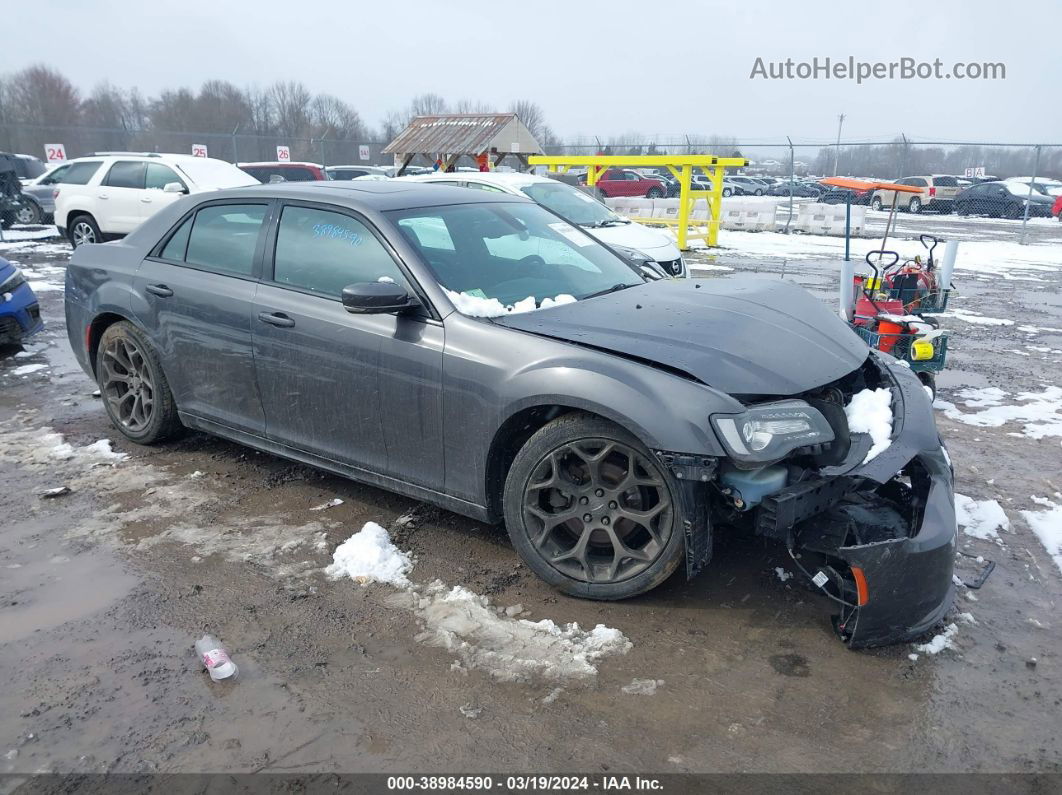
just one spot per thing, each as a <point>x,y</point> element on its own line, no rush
<point>625,182</point>
<point>284,172</point>
<point>1056,208</point>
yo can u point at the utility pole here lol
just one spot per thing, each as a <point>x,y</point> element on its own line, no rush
<point>837,149</point>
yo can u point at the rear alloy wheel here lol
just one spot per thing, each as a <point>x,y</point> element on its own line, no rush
<point>654,193</point>
<point>84,230</point>
<point>591,511</point>
<point>875,204</point>
<point>28,213</point>
<point>135,392</point>
<point>915,206</point>
<point>727,191</point>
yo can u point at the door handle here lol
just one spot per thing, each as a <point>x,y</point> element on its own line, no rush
<point>161,290</point>
<point>101,196</point>
<point>146,199</point>
<point>278,319</point>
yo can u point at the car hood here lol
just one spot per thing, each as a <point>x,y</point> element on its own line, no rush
<point>743,336</point>
<point>652,243</point>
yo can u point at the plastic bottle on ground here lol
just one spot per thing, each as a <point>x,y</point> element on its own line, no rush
<point>214,657</point>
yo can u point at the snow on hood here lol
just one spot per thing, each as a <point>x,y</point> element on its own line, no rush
<point>870,412</point>
<point>481,306</point>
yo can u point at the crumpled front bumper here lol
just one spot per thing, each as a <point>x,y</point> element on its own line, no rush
<point>909,581</point>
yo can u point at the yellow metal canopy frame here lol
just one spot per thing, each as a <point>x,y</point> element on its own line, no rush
<point>681,166</point>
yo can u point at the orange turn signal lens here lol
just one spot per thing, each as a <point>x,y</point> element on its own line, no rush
<point>862,592</point>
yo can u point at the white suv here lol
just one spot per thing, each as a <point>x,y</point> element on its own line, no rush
<point>120,190</point>
<point>632,239</point>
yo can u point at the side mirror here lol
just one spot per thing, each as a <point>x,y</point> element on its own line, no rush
<point>174,187</point>
<point>378,298</point>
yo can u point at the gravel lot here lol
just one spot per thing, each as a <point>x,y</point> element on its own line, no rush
<point>105,590</point>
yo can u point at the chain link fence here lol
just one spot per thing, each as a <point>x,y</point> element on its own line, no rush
<point>779,157</point>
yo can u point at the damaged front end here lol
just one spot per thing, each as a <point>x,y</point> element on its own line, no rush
<point>877,538</point>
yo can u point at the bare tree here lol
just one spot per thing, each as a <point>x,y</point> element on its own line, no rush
<point>473,106</point>
<point>427,105</point>
<point>334,117</point>
<point>291,106</point>
<point>530,113</point>
<point>39,95</point>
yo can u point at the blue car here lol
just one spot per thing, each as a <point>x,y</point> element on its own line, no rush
<point>20,314</point>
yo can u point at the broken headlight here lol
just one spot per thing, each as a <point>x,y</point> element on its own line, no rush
<point>770,431</point>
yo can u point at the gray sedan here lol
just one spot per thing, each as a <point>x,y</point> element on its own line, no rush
<point>478,352</point>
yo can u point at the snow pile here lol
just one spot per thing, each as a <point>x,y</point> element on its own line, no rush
<point>508,649</point>
<point>1041,412</point>
<point>980,518</point>
<point>481,306</point>
<point>26,369</point>
<point>1047,525</point>
<point>97,452</point>
<point>369,556</point>
<point>939,642</point>
<point>870,412</point>
<point>642,687</point>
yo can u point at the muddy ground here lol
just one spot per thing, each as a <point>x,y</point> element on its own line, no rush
<point>103,592</point>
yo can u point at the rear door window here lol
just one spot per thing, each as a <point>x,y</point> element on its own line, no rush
<point>125,174</point>
<point>323,252</point>
<point>224,237</point>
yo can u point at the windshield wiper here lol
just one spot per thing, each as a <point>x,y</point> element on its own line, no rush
<point>613,289</point>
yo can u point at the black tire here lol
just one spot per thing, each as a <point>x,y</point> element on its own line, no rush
<point>128,367</point>
<point>654,193</point>
<point>659,543</point>
<point>929,381</point>
<point>1013,212</point>
<point>875,204</point>
<point>759,192</point>
<point>83,229</point>
<point>915,205</point>
<point>29,213</point>
<point>727,192</point>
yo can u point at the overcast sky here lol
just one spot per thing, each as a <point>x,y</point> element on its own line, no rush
<point>596,68</point>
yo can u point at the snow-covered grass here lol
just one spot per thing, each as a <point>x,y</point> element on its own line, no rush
<point>481,306</point>
<point>980,518</point>
<point>1047,525</point>
<point>369,556</point>
<point>1040,412</point>
<point>870,411</point>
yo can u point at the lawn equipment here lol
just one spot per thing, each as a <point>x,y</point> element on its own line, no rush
<point>917,284</point>
<point>885,309</point>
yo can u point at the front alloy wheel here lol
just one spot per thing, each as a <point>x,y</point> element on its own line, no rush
<point>591,511</point>
<point>83,231</point>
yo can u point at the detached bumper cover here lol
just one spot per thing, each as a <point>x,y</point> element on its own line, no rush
<point>909,580</point>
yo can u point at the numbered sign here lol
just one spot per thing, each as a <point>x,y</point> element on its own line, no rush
<point>56,153</point>
<point>199,150</point>
<point>363,152</point>
<point>283,154</point>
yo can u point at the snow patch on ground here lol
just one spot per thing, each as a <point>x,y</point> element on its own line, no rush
<point>642,687</point>
<point>1041,412</point>
<point>969,316</point>
<point>870,412</point>
<point>26,369</point>
<point>939,642</point>
<point>464,623</point>
<point>480,306</point>
<point>369,556</point>
<point>507,649</point>
<point>980,518</point>
<point>1047,525</point>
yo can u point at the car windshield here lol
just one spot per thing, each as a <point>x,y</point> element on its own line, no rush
<point>209,173</point>
<point>494,257</point>
<point>572,203</point>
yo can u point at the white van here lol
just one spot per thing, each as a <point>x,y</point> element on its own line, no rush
<point>577,207</point>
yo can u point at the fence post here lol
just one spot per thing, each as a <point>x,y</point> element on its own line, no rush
<point>235,154</point>
<point>1028,198</point>
<point>792,179</point>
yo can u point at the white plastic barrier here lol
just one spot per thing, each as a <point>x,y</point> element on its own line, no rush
<point>750,214</point>
<point>816,218</point>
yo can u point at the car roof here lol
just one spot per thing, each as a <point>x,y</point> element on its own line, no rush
<point>380,195</point>
<point>508,178</point>
<point>282,164</point>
